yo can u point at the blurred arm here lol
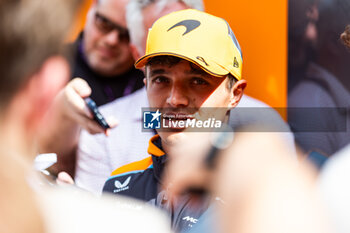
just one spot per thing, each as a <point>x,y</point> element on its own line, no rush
<point>61,130</point>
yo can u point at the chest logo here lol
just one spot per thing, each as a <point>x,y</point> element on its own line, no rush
<point>190,219</point>
<point>121,186</point>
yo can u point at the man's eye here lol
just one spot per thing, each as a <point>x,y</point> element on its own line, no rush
<point>103,24</point>
<point>199,81</point>
<point>160,79</point>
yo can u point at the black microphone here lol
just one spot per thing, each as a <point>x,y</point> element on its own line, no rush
<point>96,114</point>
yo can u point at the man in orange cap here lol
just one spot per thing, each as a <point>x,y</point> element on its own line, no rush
<point>193,62</point>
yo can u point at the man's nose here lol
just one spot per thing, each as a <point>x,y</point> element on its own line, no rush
<point>178,97</point>
<point>112,38</point>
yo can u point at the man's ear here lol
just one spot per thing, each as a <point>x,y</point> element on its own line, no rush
<point>237,93</point>
<point>43,87</point>
<point>134,52</point>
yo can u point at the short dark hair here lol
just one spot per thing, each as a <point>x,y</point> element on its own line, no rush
<point>172,60</point>
<point>345,36</point>
<point>30,32</point>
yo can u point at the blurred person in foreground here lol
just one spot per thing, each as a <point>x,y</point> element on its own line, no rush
<point>97,155</point>
<point>33,72</point>
<point>193,68</point>
<point>261,188</point>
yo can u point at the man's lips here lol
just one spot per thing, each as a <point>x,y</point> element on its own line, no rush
<point>105,52</point>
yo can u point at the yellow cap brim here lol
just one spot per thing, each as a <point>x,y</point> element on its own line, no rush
<point>214,70</point>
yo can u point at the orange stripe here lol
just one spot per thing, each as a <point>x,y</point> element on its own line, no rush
<point>135,166</point>
<point>142,164</point>
<point>153,149</point>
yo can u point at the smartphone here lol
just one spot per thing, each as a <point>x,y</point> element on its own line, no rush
<point>96,114</point>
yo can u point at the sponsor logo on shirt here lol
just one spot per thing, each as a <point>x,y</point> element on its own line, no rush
<point>121,186</point>
<point>190,221</point>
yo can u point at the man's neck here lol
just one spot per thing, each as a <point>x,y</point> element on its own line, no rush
<point>15,141</point>
<point>15,192</point>
<point>168,145</point>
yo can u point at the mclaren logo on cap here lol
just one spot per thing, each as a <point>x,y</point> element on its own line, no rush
<point>190,25</point>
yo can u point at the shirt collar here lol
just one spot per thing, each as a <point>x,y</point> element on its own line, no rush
<point>155,146</point>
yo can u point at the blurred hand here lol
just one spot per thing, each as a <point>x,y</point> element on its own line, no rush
<point>186,169</point>
<point>74,107</point>
<point>259,177</point>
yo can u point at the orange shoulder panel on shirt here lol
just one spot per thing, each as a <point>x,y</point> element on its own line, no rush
<point>153,149</point>
<point>142,164</point>
<point>135,166</point>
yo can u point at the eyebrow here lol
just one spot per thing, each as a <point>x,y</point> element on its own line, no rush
<point>157,71</point>
<point>191,72</point>
<point>198,72</point>
<point>116,25</point>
